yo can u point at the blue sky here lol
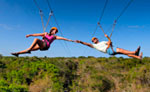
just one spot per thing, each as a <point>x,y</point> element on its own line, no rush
<point>77,20</point>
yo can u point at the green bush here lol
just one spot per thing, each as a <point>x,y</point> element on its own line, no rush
<point>1,55</point>
<point>74,74</point>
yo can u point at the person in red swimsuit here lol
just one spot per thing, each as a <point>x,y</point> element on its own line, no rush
<point>43,44</point>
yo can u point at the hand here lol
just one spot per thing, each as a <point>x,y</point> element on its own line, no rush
<point>111,43</point>
<point>28,36</point>
<point>106,35</point>
<point>78,41</point>
<point>71,41</point>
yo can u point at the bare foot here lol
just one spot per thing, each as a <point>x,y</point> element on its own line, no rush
<point>141,56</point>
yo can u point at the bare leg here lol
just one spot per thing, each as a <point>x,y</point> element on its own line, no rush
<point>129,53</point>
<point>36,47</point>
<point>134,56</point>
<point>37,44</point>
<point>126,52</point>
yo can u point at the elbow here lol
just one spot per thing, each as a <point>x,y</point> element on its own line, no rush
<point>90,46</point>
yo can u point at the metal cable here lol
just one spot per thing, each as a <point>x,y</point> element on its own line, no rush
<point>102,14</point>
<point>58,27</point>
<point>113,28</point>
<point>44,28</point>
<point>50,14</point>
<point>42,16</point>
<point>62,35</point>
<point>122,12</point>
<point>101,28</point>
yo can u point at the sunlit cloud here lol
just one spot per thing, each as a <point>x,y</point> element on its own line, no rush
<point>135,26</point>
<point>5,27</point>
<point>8,27</point>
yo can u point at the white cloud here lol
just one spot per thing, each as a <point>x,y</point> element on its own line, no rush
<point>135,26</point>
<point>6,27</point>
<point>9,27</point>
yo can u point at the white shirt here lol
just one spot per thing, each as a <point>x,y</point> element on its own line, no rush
<point>101,46</point>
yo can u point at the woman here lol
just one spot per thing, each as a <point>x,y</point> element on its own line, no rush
<point>43,44</point>
<point>107,47</point>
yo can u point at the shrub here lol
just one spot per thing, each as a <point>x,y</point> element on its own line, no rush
<point>1,55</point>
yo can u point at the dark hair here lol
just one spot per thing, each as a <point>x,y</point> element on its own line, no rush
<point>94,38</point>
<point>50,32</point>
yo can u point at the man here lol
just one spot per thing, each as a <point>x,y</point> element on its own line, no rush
<point>107,47</point>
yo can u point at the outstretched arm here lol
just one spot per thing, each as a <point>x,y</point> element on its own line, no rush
<point>38,34</point>
<point>109,41</point>
<point>62,38</point>
<point>84,43</point>
<point>108,37</point>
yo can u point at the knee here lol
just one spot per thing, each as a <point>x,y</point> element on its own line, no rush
<point>119,50</point>
<point>129,55</point>
<point>36,39</point>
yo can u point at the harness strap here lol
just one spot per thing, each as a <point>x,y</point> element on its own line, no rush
<point>112,49</point>
<point>46,39</point>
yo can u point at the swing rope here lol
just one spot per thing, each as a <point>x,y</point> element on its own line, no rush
<point>102,14</point>
<point>59,28</point>
<point>42,15</point>
<point>51,14</point>
<point>115,22</point>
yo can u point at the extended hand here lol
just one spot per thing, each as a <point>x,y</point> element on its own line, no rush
<point>72,41</point>
<point>106,35</point>
<point>27,36</point>
<point>78,41</point>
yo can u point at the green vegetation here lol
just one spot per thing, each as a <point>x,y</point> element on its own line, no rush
<point>33,74</point>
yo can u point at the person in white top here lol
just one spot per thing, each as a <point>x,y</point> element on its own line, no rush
<point>107,47</point>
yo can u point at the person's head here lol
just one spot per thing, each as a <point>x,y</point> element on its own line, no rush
<point>95,40</point>
<point>53,31</point>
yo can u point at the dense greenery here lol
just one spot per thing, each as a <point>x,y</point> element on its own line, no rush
<point>81,74</point>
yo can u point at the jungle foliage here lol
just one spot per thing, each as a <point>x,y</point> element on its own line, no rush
<point>83,74</point>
